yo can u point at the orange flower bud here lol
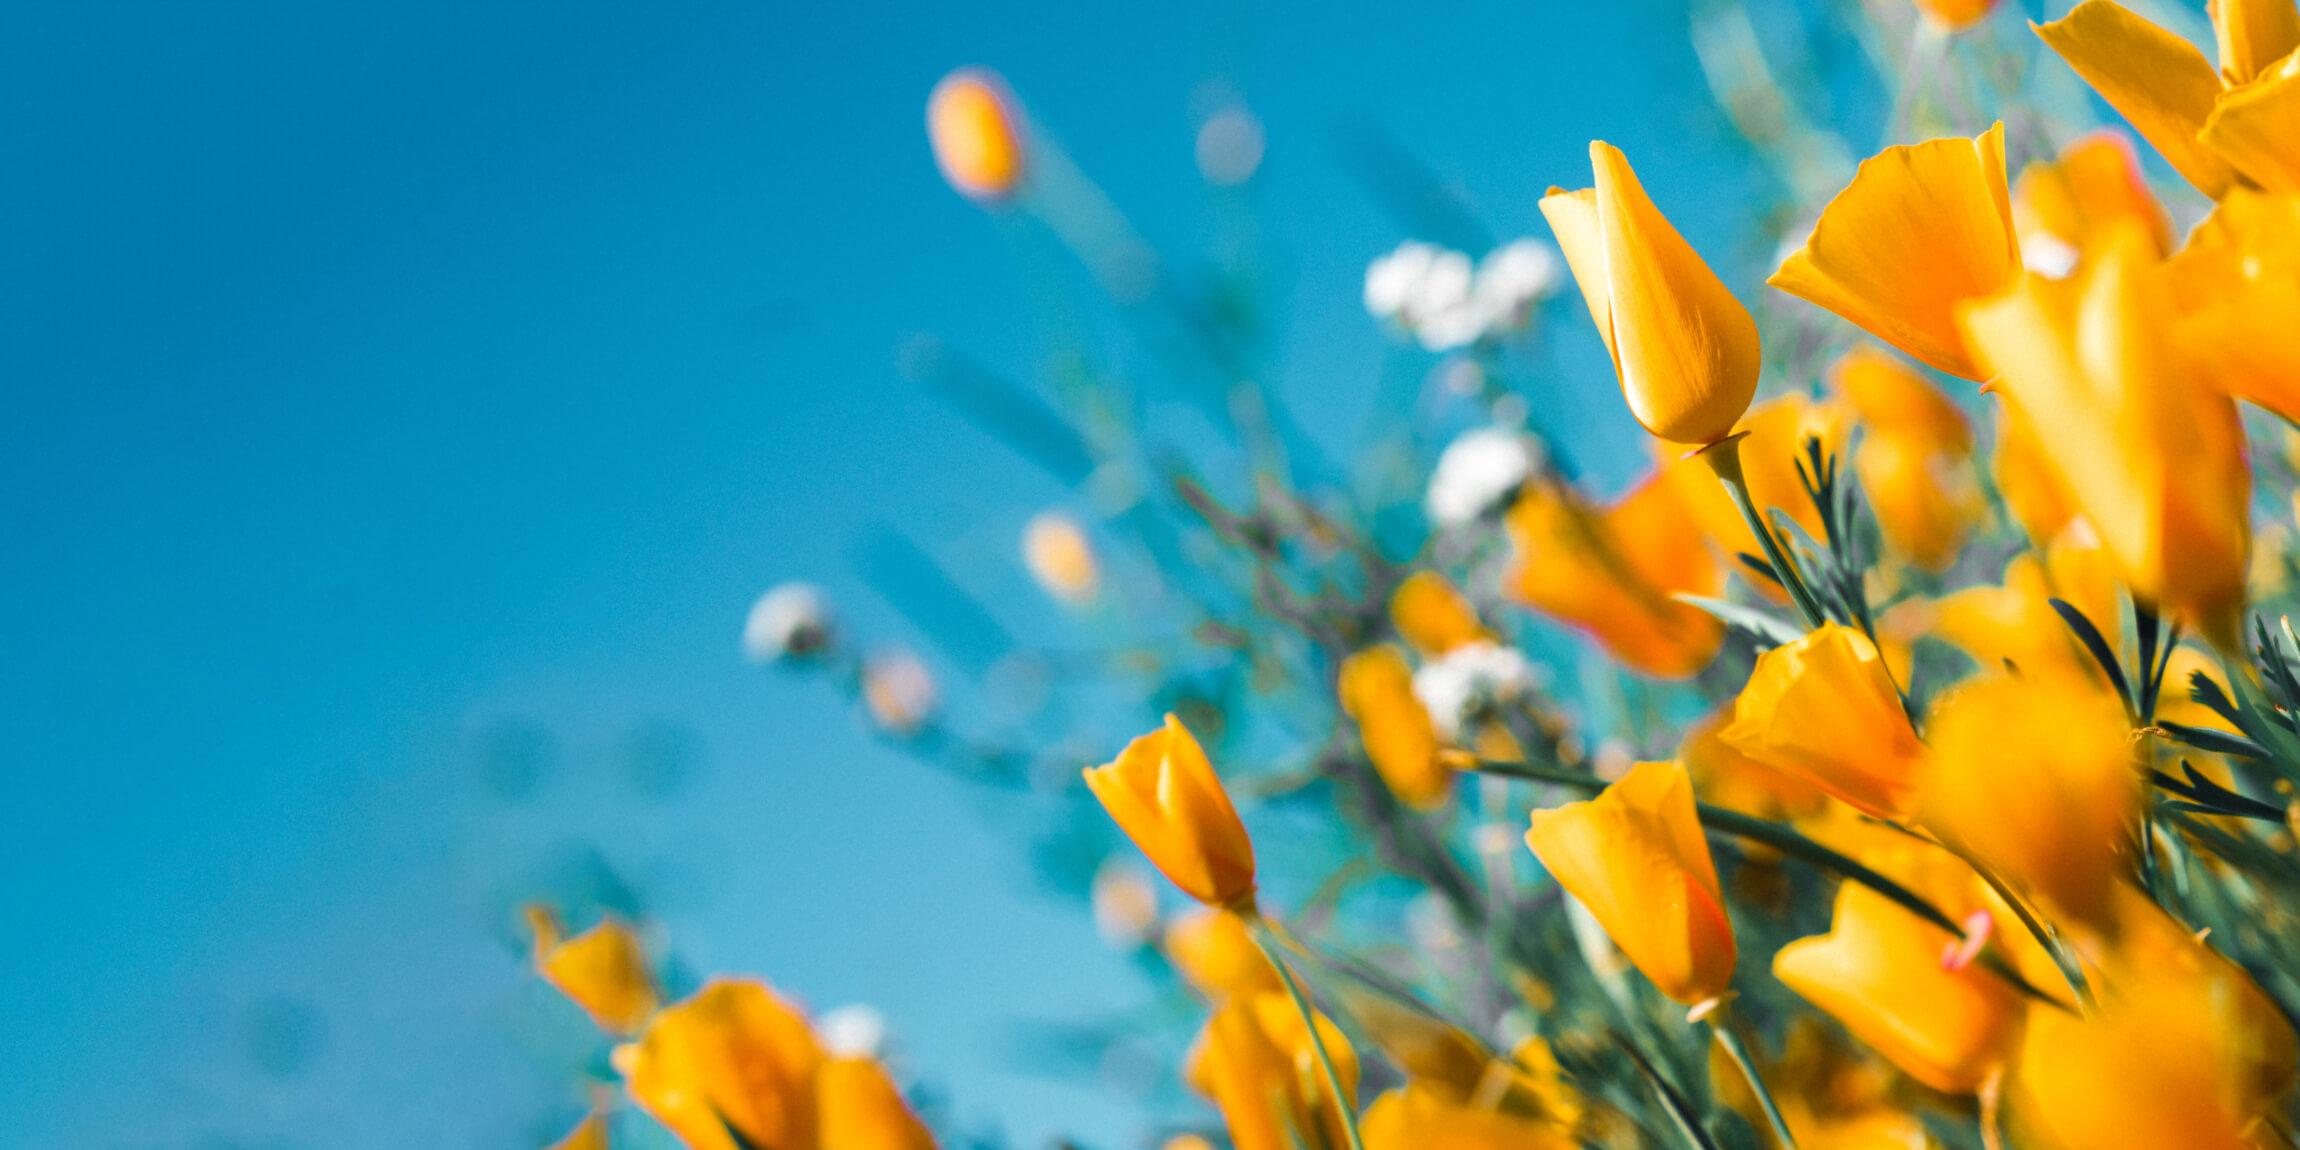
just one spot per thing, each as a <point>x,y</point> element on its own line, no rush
<point>1635,857</point>
<point>1256,1062</point>
<point>603,970</point>
<point>1611,574</point>
<point>1434,617</point>
<point>1824,709</point>
<point>1377,690</point>
<point>1164,794</point>
<point>733,1056</point>
<point>977,140</point>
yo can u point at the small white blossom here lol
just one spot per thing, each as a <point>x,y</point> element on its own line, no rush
<point>1469,680</point>
<point>1477,472</point>
<point>790,621</point>
<point>1511,279</point>
<point>853,1031</point>
<point>1445,301</point>
<point>1395,278</point>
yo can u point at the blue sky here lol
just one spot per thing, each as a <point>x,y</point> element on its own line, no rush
<point>383,377</point>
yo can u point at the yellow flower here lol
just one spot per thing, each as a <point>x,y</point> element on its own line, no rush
<point>2036,777</point>
<point>590,1134</point>
<point>1214,951</point>
<point>2033,492</point>
<point>1434,617</point>
<point>2236,286</point>
<point>1611,574</point>
<point>1915,463</point>
<point>2159,81</point>
<point>2153,458</point>
<point>1256,1062</point>
<point>1881,971</point>
<point>1956,15</point>
<point>1166,797</point>
<point>1730,779</point>
<point>972,124</point>
<point>1685,350</point>
<point>2059,208</point>
<point>2015,622</point>
<point>862,1110</point>
<point>1377,690</point>
<point>1635,857</point>
<point>603,970</point>
<point>2252,34</point>
<point>1415,1116</point>
<point>735,1055</point>
<point>2184,1050</point>
<point>2251,127</point>
<point>1060,558</point>
<point>1921,229</point>
<point>1824,709</point>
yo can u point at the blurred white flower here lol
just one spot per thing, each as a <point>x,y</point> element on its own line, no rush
<point>1125,905</point>
<point>791,621</point>
<point>1445,301</point>
<point>1060,557</point>
<point>1511,279</point>
<point>1468,681</point>
<point>1477,472</point>
<point>1230,146</point>
<point>899,691</point>
<point>853,1031</point>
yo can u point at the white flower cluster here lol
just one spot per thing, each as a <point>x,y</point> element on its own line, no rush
<point>1468,682</point>
<point>1445,301</point>
<point>1477,472</point>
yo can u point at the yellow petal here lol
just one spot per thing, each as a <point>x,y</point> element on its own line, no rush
<point>2072,200</point>
<point>862,1110</point>
<point>2256,128</point>
<point>1921,229</point>
<point>590,1134</point>
<point>2253,34</point>
<point>1377,690</point>
<point>2159,81</point>
<point>1572,219</point>
<point>1430,614</point>
<point>1164,794</point>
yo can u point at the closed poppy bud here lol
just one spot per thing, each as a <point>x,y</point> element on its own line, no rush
<point>603,970</point>
<point>1634,855</point>
<point>2183,1049</point>
<point>1434,617</point>
<point>2061,207</point>
<point>1216,953</point>
<point>2152,457</point>
<point>1825,710</point>
<point>1377,690</point>
<point>977,140</point>
<point>1881,972</point>
<point>1256,1062</point>
<point>1614,574</point>
<point>862,1110</point>
<point>733,1057</point>
<point>2160,82</point>
<point>1956,15</point>
<point>1166,797</point>
<point>1922,229</point>
<point>590,1134</point>
<point>1915,463</point>
<point>1685,349</point>
<point>1417,1116</point>
<point>2036,777</point>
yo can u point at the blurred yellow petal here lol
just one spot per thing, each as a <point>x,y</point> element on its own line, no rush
<point>1434,617</point>
<point>2152,457</point>
<point>1215,952</point>
<point>1686,350</point>
<point>2253,34</point>
<point>1824,709</point>
<point>862,1110</point>
<point>972,124</point>
<point>1915,463</point>
<point>2236,285</point>
<point>1726,777</point>
<point>2036,776</point>
<point>1635,856</point>
<point>2034,493</point>
<point>734,1055</point>
<point>2160,83</point>
<point>590,1134</point>
<point>2093,185</point>
<point>1956,15</point>
<point>1415,1117</point>
<point>2014,622</point>
<point>1920,230</point>
<point>1164,794</point>
<point>1377,690</point>
<point>1256,1062</point>
<point>2256,128</point>
<point>603,970</point>
<point>1611,574</point>
<point>1777,433</point>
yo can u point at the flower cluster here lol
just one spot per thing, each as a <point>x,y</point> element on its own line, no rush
<point>1903,757</point>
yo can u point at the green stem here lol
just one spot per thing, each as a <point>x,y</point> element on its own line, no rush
<point>1729,1037</point>
<point>1786,840</point>
<point>1265,941</point>
<point>1724,458</point>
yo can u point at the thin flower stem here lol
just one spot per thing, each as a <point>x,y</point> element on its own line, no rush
<point>1724,457</point>
<point>1266,941</point>
<point>1679,1108</point>
<point>1721,1023</point>
<point>1786,840</point>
